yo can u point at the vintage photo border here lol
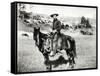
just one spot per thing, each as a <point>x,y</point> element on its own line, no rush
<point>14,40</point>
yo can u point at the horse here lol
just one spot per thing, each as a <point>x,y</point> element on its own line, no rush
<point>43,41</point>
<point>66,43</point>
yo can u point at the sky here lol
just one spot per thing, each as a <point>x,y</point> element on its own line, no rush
<point>62,10</point>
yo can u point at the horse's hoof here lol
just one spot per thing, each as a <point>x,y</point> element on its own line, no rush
<point>48,68</point>
<point>72,66</point>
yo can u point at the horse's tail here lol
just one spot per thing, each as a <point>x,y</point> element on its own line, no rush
<point>72,45</point>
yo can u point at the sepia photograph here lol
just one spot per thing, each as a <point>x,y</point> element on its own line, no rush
<point>53,37</point>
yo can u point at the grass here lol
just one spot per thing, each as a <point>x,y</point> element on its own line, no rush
<point>31,60</point>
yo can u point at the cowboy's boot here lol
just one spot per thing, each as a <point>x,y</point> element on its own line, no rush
<point>53,51</point>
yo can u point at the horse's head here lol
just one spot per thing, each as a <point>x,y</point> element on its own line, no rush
<point>43,41</point>
<point>47,45</point>
<point>36,35</point>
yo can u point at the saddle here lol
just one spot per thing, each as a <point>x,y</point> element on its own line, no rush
<point>56,42</point>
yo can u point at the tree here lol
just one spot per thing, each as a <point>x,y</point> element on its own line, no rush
<point>21,10</point>
<point>83,20</point>
<point>88,24</point>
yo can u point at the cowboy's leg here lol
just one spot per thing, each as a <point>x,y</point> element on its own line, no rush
<point>58,40</point>
<point>53,45</point>
<point>56,43</point>
<point>51,53</point>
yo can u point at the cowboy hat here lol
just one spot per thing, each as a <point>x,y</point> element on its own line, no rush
<point>53,15</point>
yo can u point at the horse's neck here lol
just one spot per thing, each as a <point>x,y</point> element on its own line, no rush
<point>41,35</point>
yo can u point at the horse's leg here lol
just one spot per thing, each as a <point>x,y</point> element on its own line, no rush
<point>72,52</point>
<point>70,58</point>
<point>72,61</point>
<point>47,62</point>
<point>50,67</point>
<point>68,55</point>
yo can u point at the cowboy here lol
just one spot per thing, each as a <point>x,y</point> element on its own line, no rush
<point>56,34</point>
